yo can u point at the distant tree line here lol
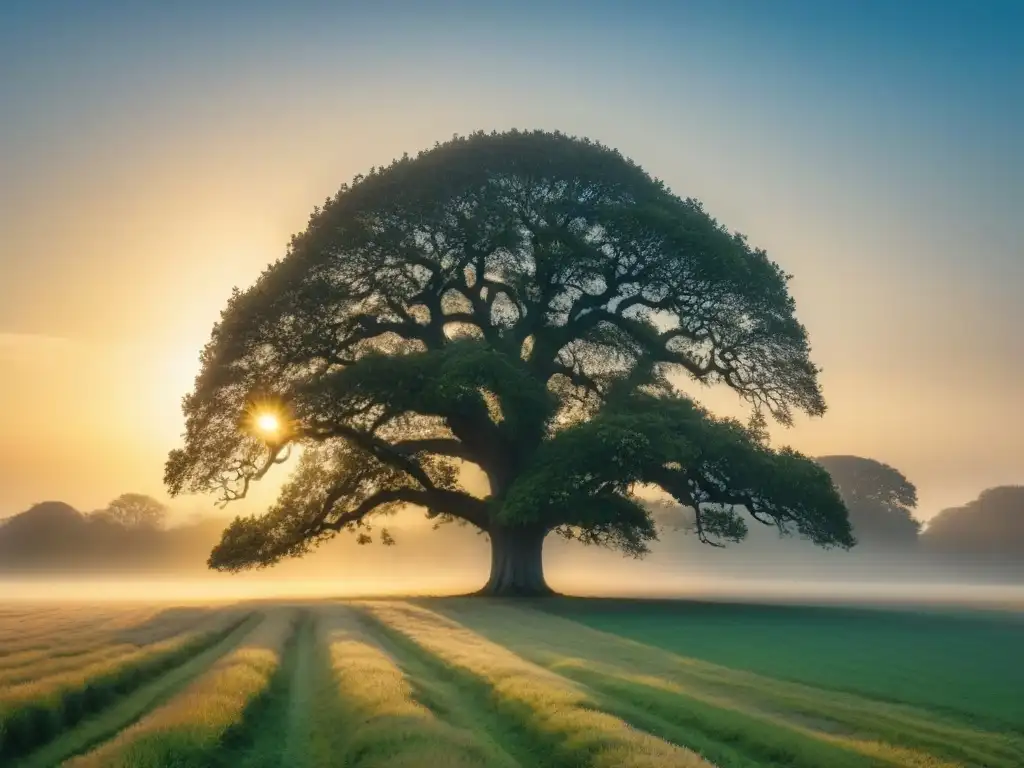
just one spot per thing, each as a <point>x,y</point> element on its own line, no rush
<point>129,533</point>
<point>881,502</point>
<point>132,531</point>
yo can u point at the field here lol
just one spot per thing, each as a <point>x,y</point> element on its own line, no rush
<point>469,682</point>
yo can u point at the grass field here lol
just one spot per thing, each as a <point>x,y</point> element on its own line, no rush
<point>469,682</point>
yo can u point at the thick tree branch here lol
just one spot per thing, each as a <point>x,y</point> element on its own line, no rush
<point>246,478</point>
<point>380,449</point>
<point>655,345</point>
<point>437,502</point>
<point>443,446</point>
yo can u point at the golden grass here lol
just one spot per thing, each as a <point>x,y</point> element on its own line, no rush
<point>192,724</point>
<point>554,710</point>
<point>378,721</point>
<point>47,626</point>
<point>40,671</point>
<point>108,661</point>
<point>120,641</point>
<point>132,706</point>
<point>35,711</point>
<point>46,633</point>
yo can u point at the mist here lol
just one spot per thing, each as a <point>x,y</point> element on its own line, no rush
<point>455,560</point>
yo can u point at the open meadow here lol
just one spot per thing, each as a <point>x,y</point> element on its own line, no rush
<point>473,682</point>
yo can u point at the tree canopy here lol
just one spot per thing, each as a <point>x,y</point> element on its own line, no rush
<point>991,525</point>
<point>134,510</point>
<point>879,498</point>
<point>526,302</point>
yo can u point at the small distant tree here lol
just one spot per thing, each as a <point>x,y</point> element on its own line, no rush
<point>879,498</point>
<point>526,302</point>
<point>134,510</point>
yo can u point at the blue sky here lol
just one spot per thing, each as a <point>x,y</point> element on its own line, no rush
<point>154,155</point>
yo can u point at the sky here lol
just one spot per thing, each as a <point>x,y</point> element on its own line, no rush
<point>153,156</point>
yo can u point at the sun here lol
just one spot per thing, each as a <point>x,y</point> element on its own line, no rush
<point>268,423</point>
<point>268,419</point>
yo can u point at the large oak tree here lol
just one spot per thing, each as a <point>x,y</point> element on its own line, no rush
<point>524,302</point>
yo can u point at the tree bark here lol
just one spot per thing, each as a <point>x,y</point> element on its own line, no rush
<point>517,566</point>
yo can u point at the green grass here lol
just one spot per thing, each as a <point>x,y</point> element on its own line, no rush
<point>967,663</point>
<point>558,683</point>
<point>736,716</point>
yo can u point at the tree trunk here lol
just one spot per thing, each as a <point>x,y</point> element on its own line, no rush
<point>517,567</point>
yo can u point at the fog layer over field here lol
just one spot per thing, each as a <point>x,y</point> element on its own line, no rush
<point>455,560</point>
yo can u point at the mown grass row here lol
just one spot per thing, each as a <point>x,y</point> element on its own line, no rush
<point>130,708</point>
<point>102,654</point>
<point>340,695</point>
<point>398,686</point>
<point>109,646</point>
<point>35,712</point>
<point>43,633</point>
<point>474,683</point>
<point>383,709</point>
<point>733,717</point>
<point>561,719</point>
<point>196,727</point>
<point>329,692</point>
<point>263,737</point>
<point>68,633</point>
